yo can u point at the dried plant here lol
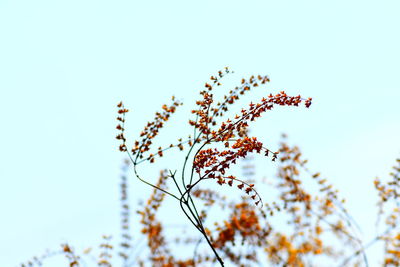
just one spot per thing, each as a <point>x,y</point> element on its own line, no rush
<point>208,161</point>
<point>294,218</point>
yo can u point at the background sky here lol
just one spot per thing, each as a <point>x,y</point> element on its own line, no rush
<point>64,65</point>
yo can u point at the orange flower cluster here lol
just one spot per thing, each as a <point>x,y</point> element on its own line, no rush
<point>203,113</point>
<point>227,129</point>
<point>310,209</point>
<point>282,249</point>
<point>214,164</point>
<point>152,128</point>
<point>233,96</point>
<point>392,250</point>
<point>149,132</point>
<point>150,226</point>
<point>120,127</point>
<point>392,188</point>
<point>244,221</point>
<point>389,194</point>
<point>106,252</point>
<point>70,255</point>
<point>153,229</point>
<point>211,160</point>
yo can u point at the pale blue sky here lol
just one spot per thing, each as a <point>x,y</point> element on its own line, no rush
<point>65,64</point>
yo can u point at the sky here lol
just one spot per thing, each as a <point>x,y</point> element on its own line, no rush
<point>64,65</point>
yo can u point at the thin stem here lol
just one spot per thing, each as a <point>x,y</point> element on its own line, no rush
<point>370,243</point>
<point>144,181</point>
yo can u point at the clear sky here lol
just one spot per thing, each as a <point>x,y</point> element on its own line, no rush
<point>65,64</point>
